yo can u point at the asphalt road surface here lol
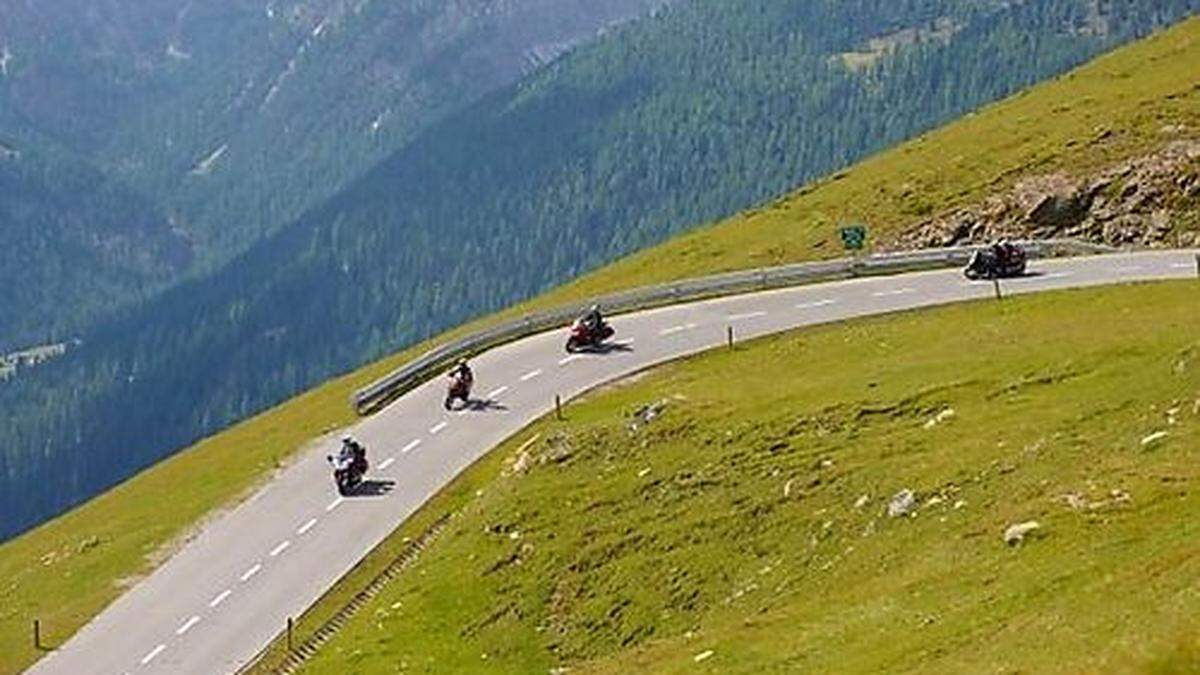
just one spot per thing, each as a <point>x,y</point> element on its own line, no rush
<point>213,605</point>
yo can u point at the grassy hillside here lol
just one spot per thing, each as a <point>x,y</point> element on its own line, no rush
<point>746,529</point>
<point>68,569</point>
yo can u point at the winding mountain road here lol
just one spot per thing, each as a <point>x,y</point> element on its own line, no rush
<point>212,606</point>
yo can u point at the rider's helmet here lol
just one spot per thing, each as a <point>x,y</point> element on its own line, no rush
<point>347,438</point>
<point>594,309</point>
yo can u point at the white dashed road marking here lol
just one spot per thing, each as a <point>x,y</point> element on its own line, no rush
<point>814,305</point>
<point>496,392</point>
<point>410,447</point>
<point>1183,266</point>
<point>530,375</point>
<point>251,572</point>
<point>899,291</point>
<point>283,545</point>
<point>153,653</point>
<point>676,329</point>
<point>565,361</point>
<point>307,526</point>
<point>438,428</point>
<point>220,598</point>
<point>386,463</point>
<point>747,315</point>
<point>187,625</point>
<point>334,504</point>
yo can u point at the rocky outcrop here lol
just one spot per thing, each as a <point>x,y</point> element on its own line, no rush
<point>1150,201</point>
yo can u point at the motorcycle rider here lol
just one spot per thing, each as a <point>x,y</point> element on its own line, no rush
<point>1003,250</point>
<point>593,320</point>
<point>352,451</point>
<point>462,373</point>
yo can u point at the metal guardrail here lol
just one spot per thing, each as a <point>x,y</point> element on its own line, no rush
<point>379,393</point>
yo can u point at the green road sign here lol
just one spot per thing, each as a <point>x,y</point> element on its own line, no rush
<point>854,237</point>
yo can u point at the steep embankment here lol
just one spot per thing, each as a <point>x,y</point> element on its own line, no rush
<point>66,570</point>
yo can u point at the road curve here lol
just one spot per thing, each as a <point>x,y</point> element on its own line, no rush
<point>212,606</point>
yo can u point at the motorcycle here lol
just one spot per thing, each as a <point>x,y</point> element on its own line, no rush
<point>459,389</point>
<point>349,469</point>
<point>997,262</point>
<point>583,337</point>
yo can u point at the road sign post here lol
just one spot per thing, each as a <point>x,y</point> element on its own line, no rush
<point>854,239</point>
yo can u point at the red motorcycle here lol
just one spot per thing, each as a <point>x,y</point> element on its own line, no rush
<point>583,336</point>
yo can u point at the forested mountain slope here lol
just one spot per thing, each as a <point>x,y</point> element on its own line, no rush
<point>664,124</point>
<point>71,236</point>
<point>233,118</point>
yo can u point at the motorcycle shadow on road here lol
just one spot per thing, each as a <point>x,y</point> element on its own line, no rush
<point>1028,274</point>
<point>373,488</point>
<point>483,405</point>
<point>608,348</point>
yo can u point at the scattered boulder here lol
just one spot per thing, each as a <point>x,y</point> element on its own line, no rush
<point>1016,534</point>
<point>903,503</point>
<point>1055,202</point>
<point>787,488</point>
<point>944,416</point>
<point>646,414</point>
<point>523,463</point>
<point>1154,438</point>
<point>1133,203</point>
<point>1076,501</point>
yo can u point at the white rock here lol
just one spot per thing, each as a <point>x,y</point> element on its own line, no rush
<point>902,504</point>
<point>787,488</point>
<point>702,656</point>
<point>1016,534</point>
<point>941,417</point>
<point>1156,436</point>
<point>862,501</point>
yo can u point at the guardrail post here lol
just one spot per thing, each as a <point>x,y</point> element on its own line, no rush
<point>290,625</point>
<point>996,283</point>
<point>1198,264</point>
<point>729,335</point>
<point>37,634</point>
<point>558,407</point>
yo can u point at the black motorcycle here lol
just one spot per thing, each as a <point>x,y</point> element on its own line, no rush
<point>996,262</point>
<point>349,468</point>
